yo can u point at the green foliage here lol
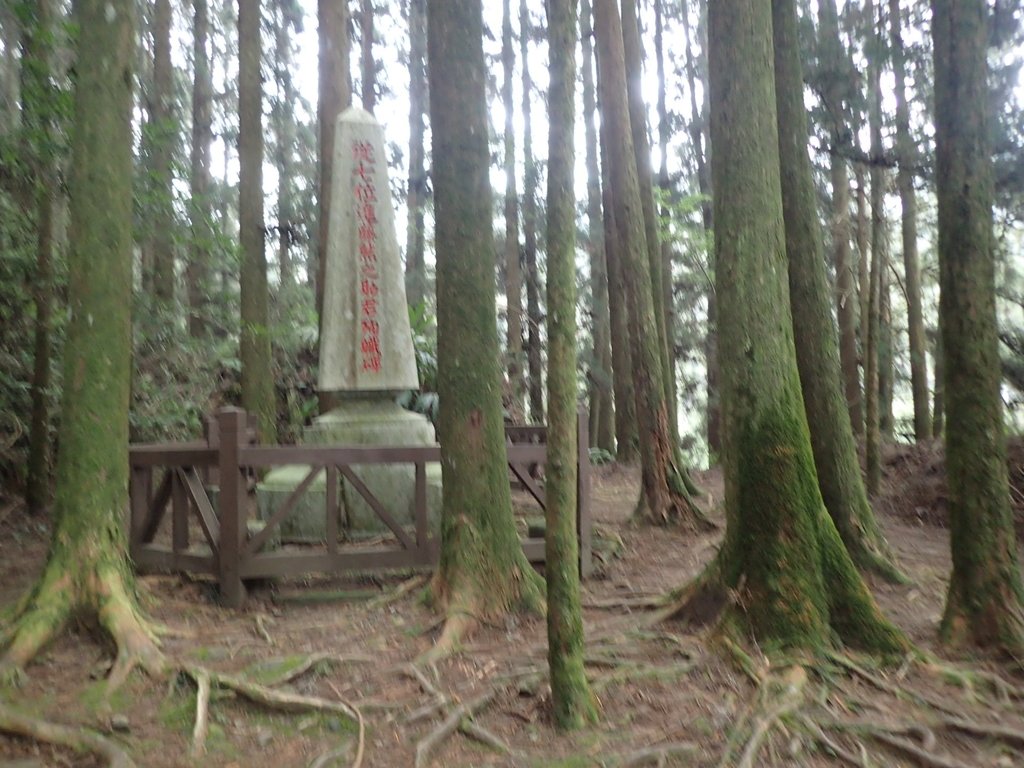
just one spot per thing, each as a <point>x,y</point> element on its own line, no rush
<point>599,456</point>
<point>424,340</point>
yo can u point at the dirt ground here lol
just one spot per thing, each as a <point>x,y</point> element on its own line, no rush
<point>667,692</point>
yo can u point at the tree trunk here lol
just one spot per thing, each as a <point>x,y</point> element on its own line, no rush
<point>164,126</point>
<point>817,352</point>
<point>886,423</point>
<point>863,237</point>
<point>782,574</point>
<point>87,574</point>
<point>846,294</point>
<point>285,147</point>
<point>939,409</point>
<point>416,201</point>
<point>257,376</point>
<point>664,498</point>
<point>368,66</point>
<point>602,410</point>
<point>984,603</point>
<point>572,702</point>
<point>201,210</point>
<point>534,357</point>
<point>908,198</point>
<point>872,376</point>
<point>513,268</point>
<point>665,187</point>
<point>483,572</point>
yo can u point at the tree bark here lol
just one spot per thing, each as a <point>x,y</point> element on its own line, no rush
<point>368,66</point>
<point>908,198</point>
<point>791,581</point>
<point>87,574</point>
<point>483,572</point>
<point>664,497</point>
<point>416,201</point>
<point>817,352</point>
<point>513,267</point>
<point>285,146</point>
<point>163,124</point>
<point>573,704</point>
<point>602,409</point>
<point>872,377</point>
<point>985,600</point>
<point>257,376</point>
<point>198,274</point>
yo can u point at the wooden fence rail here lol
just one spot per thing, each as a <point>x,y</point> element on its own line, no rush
<point>228,458</point>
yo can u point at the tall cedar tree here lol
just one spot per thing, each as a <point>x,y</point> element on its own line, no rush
<point>534,358</point>
<point>572,701</point>
<point>483,572</point>
<point>87,574</point>
<point>38,106</point>
<point>257,376</point>
<point>665,188</point>
<point>834,68</point>
<point>335,95</point>
<point>201,208</point>
<point>416,200</point>
<point>817,352</point>
<point>163,124</point>
<point>984,604</point>
<point>794,584</point>
<point>513,270</point>
<point>284,113</point>
<point>908,198</point>
<point>602,409</point>
<point>664,496</point>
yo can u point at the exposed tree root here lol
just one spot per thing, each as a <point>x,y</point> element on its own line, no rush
<point>311,661</point>
<point>407,586</point>
<point>202,713</point>
<point>656,755</point>
<point>485,737</point>
<point>456,627</point>
<point>450,724</point>
<point>78,739</point>
<point>779,694</point>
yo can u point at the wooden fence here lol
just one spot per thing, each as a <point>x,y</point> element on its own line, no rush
<point>229,458</point>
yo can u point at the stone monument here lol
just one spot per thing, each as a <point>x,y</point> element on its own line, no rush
<point>366,350</point>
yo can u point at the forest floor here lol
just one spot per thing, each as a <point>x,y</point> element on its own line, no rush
<point>669,694</point>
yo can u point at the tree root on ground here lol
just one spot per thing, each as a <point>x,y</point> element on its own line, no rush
<point>779,694</point>
<point>654,755</point>
<point>76,738</point>
<point>452,723</point>
<point>407,586</point>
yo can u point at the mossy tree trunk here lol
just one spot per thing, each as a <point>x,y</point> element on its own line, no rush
<point>534,358</point>
<point>573,703</point>
<point>87,573</point>
<point>664,496</point>
<point>794,585</point>
<point>665,187</point>
<point>198,273</point>
<point>835,67</point>
<point>335,95</point>
<point>602,409</point>
<point>38,105</point>
<point>483,572</point>
<point>416,201</point>
<point>984,603</point>
<point>817,352</point>
<point>513,253</point>
<point>163,124</point>
<point>908,198</point>
<point>872,352</point>
<point>257,374</point>
<point>367,65</point>
<point>863,238</point>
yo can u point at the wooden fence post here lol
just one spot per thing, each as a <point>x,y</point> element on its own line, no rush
<point>583,521</point>
<point>231,426</point>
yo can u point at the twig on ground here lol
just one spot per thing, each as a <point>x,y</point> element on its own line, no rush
<point>78,739</point>
<point>202,713</point>
<point>428,687</point>
<point>398,592</point>
<point>261,629</point>
<point>450,724</point>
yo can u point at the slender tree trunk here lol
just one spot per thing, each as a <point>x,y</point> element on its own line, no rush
<point>257,375</point>
<point>872,376</point>
<point>416,201</point>
<point>645,178</point>
<point>483,572</point>
<point>534,357</point>
<point>862,234</point>
<point>201,210</point>
<point>37,115</point>
<point>368,66</point>
<point>886,423</point>
<point>664,498</point>
<point>513,268</point>
<point>985,603</point>
<point>87,574</point>
<point>908,198</point>
<point>846,294</point>
<point>782,574</point>
<point>285,147</point>
<point>817,352</point>
<point>572,702</point>
<point>602,413</point>
<point>164,126</point>
<point>939,409</point>
<point>665,186</point>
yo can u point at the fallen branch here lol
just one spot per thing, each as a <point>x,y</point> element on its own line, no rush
<point>78,739</point>
<point>450,724</point>
<point>202,713</point>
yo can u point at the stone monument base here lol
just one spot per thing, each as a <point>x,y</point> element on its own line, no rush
<point>375,420</point>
